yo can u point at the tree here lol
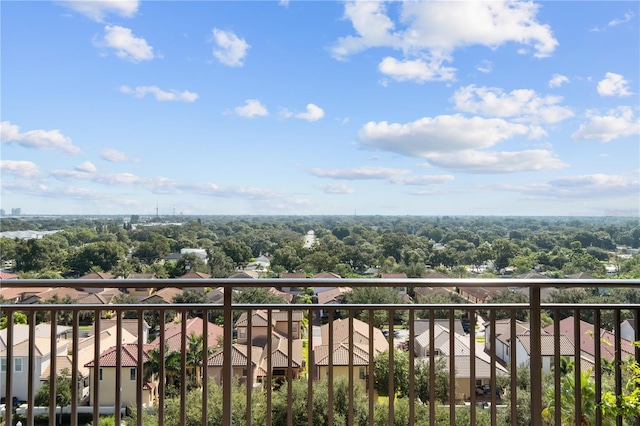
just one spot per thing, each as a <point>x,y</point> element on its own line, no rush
<point>63,392</point>
<point>237,250</point>
<point>257,295</point>
<point>504,250</point>
<point>191,297</point>
<point>18,318</point>
<point>172,367</point>
<point>381,375</point>
<point>104,255</point>
<point>442,385</point>
<point>221,265</point>
<point>375,295</point>
<point>195,351</point>
<point>507,297</point>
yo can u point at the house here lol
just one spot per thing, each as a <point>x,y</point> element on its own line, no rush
<point>588,343</point>
<point>96,276</point>
<point>280,359</point>
<point>59,293</point>
<point>128,371</point>
<point>194,275</point>
<point>523,344</point>
<point>20,368</point>
<point>402,290</point>
<point>131,325</point>
<point>292,276</point>
<point>460,358</point>
<point>257,321</point>
<point>164,295</point>
<point>479,294</point>
<point>326,275</point>
<point>194,326</point>
<point>139,292</point>
<point>85,354</point>
<point>330,296</point>
<point>246,274</point>
<point>260,326</point>
<point>21,333</point>
<point>17,295</point>
<point>339,351</point>
<point>628,330</point>
<point>4,275</point>
<point>239,360</point>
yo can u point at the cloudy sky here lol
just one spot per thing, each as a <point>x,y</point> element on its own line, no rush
<point>300,107</point>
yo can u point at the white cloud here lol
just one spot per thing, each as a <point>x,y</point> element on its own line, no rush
<point>252,108</point>
<point>160,95</point>
<point>524,104</point>
<point>444,133</point>
<point>86,167</point>
<point>98,9</point>
<point>313,113</point>
<point>336,188</point>
<point>231,50</point>
<point>617,123</point>
<point>436,29</point>
<point>479,162</point>
<point>613,85</point>
<point>361,173</point>
<point>423,180</point>
<point>615,22</point>
<point>558,80</point>
<point>45,140</point>
<point>20,169</point>
<point>115,156</point>
<point>589,187</point>
<point>416,70</point>
<point>284,3</point>
<point>126,45</point>
<point>485,66</point>
<point>102,178</point>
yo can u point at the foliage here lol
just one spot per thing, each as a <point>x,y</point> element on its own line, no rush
<point>375,295</point>
<point>63,391</point>
<point>507,297</point>
<point>18,318</point>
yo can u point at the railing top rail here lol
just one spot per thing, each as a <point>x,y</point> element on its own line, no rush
<point>306,307</point>
<point>323,282</point>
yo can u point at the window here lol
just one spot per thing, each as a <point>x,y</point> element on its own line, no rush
<point>100,374</point>
<point>132,374</point>
<point>17,365</point>
<point>242,333</point>
<point>3,364</point>
<point>363,373</point>
<point>295,328</point>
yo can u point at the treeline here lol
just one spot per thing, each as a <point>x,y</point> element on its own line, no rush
<point>349,246</point>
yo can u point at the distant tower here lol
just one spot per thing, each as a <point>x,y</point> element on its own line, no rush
<point>157,214</point>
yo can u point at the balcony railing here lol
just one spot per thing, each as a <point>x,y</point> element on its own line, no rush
<point>466,400</point>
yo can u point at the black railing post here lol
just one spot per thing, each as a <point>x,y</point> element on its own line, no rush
<point>536,357</point>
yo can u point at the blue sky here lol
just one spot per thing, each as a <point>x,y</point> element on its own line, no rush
<point>318,107</point>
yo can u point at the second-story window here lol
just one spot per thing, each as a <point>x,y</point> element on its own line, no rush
<point>3,364</point>
<point>17,365</point>
<point>132,374</point>
<point>100,374</point>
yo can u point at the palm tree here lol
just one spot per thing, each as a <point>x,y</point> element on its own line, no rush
<point>171,365</point>
<point>195,351</point>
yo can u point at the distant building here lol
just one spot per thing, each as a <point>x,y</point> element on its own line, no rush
<point>16,212</point>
